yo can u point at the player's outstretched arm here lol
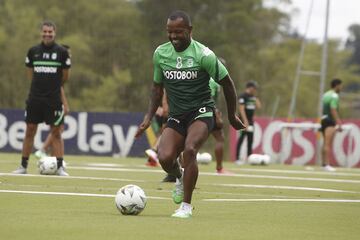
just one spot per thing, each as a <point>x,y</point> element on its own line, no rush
<point>155,100</point>
<point>231,99</point>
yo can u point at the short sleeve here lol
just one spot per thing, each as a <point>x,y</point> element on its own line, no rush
<point>29,59</point>
<point>158,75</point>
<point>213,66</point>
<point>334,101</point>
<point>65,60</point>
<point>241,100</point>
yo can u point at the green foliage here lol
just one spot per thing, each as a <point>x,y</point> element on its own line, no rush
<point>112,42</point>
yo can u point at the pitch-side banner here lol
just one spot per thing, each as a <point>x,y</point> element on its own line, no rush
<point>110,134</point>
<point>299,145</point>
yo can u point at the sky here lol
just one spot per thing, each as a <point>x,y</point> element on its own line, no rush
<point>342,14</point>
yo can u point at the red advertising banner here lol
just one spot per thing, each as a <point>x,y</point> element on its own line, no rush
<point>298,145</point>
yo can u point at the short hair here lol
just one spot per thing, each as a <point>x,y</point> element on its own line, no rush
<point>181,14</point>
<point>252,83</point>
<point>335,82</point>
<point>49,24</point>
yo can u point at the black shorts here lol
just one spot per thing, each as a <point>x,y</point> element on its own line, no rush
<point>182,122</point>
<point>326,123</point>
<point>38,111</point>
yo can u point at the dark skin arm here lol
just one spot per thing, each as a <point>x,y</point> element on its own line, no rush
<point>335,116</point>
<point>157,92</point>
<point>231,100</point>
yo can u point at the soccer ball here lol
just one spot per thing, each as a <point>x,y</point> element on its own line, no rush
<point>47,165</point>
<point>130,200</point>
<point>204,158</point>
<point>259,159</point>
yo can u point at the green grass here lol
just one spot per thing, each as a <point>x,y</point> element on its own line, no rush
<point>36,217</point>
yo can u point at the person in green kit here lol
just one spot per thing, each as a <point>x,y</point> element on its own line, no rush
<point>330,121</point>
<point>183,67</point>
<point>217,131</point>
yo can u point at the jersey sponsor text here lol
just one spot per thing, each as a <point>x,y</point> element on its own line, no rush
<point>41,69</point>
<point>180,75</point>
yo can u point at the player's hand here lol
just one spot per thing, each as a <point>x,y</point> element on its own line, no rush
<point>236,122</point>
<point>338,128</point>
<point>66,109</point>
<point>142,127</point>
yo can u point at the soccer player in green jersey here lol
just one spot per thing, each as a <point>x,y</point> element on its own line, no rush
<point>218,132</point>
<point>183,67</point>
<point>330,121</point>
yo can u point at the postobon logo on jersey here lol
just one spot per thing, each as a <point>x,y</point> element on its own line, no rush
<point>180,75</point>
<point>45,69</point>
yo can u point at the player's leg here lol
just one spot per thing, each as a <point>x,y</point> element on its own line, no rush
<point>170,146</point>
<point>54,116</point>
<point>239,144</point>
<point>27,147</point>
<point>218,134</point>
<point>197,134</point>
<point>250,137</point>
<point>33,117</point>
<point>329,133</point>
<point>219,148</point>
<point>45,147</point>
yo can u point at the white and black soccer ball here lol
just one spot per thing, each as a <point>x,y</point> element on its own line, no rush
<point>259,159</point>
<point>204,158</point>
<point>47,165</point>
<point>130,200</point>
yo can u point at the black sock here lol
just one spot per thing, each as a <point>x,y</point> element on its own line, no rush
<point>24,161</point>
<point>59,162</point>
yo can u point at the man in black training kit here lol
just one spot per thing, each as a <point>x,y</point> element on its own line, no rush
<point>183,67</point>
<point>48,67</point>
<point>248,103</point>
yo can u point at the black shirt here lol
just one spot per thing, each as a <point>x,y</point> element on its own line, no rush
<point>47,63</point>
<point>250,105</point>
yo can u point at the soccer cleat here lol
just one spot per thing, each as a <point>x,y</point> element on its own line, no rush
<point>183,212</point>
<point>178,192</point>
<point>222,171</point>
<point>239,162</point>
<point>169,178</point>
<point>153,160</point>
<point>329,168</point>
<point>61,172</point>
<point>40,154</point>
<point>20,170</point>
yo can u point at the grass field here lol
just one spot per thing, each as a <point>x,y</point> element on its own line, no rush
<point>267,202</point>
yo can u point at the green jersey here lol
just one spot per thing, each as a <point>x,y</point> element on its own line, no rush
<point>186,75</point>
<point>330,101</point>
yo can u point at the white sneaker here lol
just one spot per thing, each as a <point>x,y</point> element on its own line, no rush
<point>329,168</point>
<point>61,172</point>
<point>20,170</point>
<point>239,162</point>
<point>40,154</point>
<point>184,211</point>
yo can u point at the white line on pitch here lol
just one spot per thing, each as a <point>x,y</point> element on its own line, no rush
<point>296,172</point>
<point>73,194</point>
<point>228,175</point>
<point>73,177</point>
<point>284,187</point>
<point>284,200</point>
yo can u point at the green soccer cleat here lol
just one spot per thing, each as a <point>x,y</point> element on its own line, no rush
<point>40,154</point>
<point>178,192</point>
